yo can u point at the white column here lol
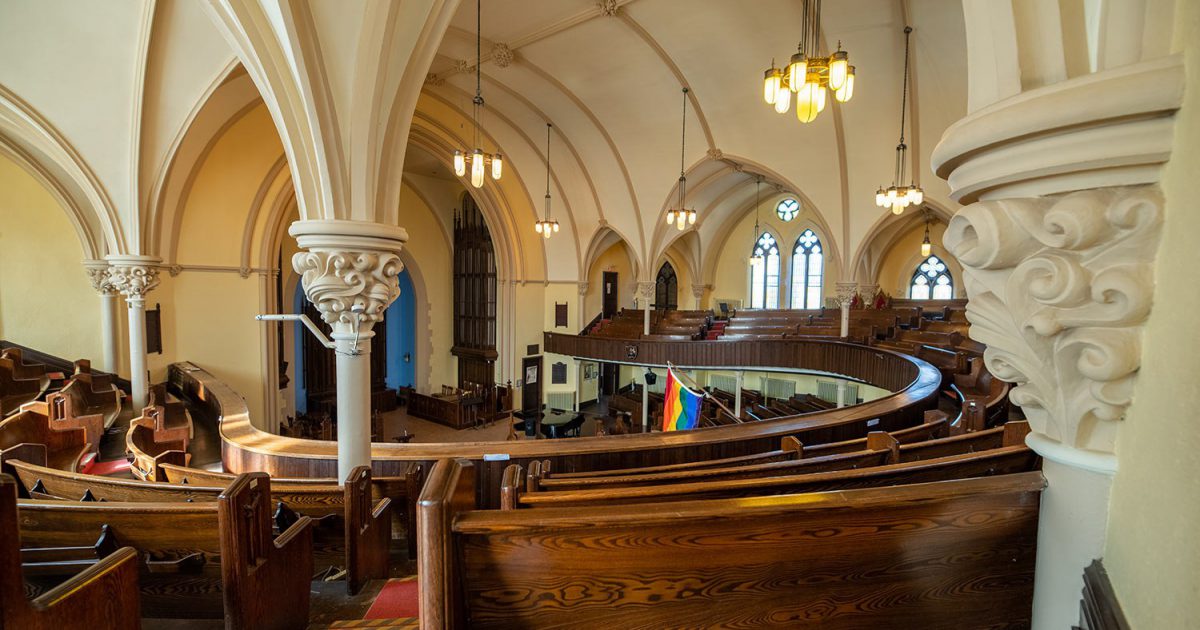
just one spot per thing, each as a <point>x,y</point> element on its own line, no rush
<point>645,295</point>
<point>353,353</point>
<point>97,271</point>
<point>645,405</point>
<point>349,273</point>
<point>698,295</point>
<point>845,294</point>
<point>737,395</point>
<point>841,392</point>
<point>1058,247</point>
<point>134,277</point>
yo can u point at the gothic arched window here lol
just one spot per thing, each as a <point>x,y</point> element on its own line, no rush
<point>931,280</point>
<point>666,288</point>
<point>808,268</point>
<point>764,275</point>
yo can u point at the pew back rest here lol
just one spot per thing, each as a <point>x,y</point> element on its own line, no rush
<point>688,566</point>
<point>104,595</point>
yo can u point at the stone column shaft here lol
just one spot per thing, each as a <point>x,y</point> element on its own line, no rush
<point>134,277</point>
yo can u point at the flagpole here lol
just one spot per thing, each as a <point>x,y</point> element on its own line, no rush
<point>700,391</point>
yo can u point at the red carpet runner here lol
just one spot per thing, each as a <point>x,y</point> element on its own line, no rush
<point>396,600</point>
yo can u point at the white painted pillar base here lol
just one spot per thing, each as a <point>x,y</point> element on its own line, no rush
<point>845,319</point>
<point>109,332</point>
<point>645,406</point>
<point>841,385</point>
<point>137,352</point>
<point>1072,526</point>
<point>353,399</point>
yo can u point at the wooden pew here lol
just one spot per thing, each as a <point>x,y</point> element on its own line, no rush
<point>159,436</point>
<point>104,595</point>
<point>16,390</point>
<point>955,554</point>
<point>401,490</point>
<point>30,431</point>
<point>93,393</point>
<point>262,582</point>
<point>62,414</point>
<point>881,448</point>
<point>991,462</point>
<point>361,546</point>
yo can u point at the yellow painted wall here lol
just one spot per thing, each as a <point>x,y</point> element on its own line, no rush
<point>1152,552</point>
<point>46,299</point>
<point>431,256</point>
<point>615,259</point>
<point>731,277</point>
<point>901,260</point>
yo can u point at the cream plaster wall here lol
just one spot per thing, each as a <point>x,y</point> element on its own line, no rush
<point>901,260</point>
<point>1152,552</point>
<point>731,278</point>
<point>615,258</point>
<point>431,258</point>
<point>46,299</point>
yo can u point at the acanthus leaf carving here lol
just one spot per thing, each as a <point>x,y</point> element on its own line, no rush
<point>133,281</point>
<point>1060,288</point>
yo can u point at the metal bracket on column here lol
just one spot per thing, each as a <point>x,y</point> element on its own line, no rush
<point>303,319</point>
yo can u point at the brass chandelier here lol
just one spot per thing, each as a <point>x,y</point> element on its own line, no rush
<point>682,217</point>
<point>547,226</point>
<point>809,74</point>
<point>477,159</point>
<point>898,196</point>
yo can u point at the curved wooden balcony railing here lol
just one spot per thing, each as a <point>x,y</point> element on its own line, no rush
<point>914,384</point>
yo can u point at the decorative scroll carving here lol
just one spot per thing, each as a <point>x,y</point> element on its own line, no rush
<point>502,55</point>
<point>336,281</point>
<point>845,292</point>
<point>134,281</point>
<point>462,65</point>
<point>1060,288</point>
<point>608,7</point>
<point>98,275</point>
<point>698,290</point>
<point>434,79</point>
<point>583,289</point>
<point>645,292</point>
<point>715,154</point>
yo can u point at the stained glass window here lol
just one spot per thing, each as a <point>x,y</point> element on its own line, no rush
<point>787,209</point>
<point>764,276</point>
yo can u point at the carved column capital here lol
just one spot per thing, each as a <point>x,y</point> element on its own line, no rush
<point>97,271</point>
<point>1060,290</point>
<point>583,288</point>
<point>133,276</point>
<point>845,292</point>
<point>340,283</point>
<point>645,291</point>
<point>699,289</point>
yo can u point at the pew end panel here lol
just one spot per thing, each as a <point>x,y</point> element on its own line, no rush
<point>368,531</point>
<point>266,582</point>
<point>449,491</point>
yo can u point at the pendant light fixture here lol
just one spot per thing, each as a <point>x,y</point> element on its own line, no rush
<point>477,159</point>
<point>898,196</point>
<point>926,246</point>
<point>809,74</point>
<point>756,259</point>
<point>682,217</point>
<point>547,226</point>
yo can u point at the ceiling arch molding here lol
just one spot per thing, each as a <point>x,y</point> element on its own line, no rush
<point>50,156</point>
<point>604,238</point>
<point>882,235</point>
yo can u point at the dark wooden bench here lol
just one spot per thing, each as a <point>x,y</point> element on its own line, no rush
<point>103,594</point>
<point>358,538</point>
<point>402,490</point>
<point>262,582</point>
<point>30,434</point>
<point>990,462</point>
<point>92,393</point>
<point>952,554</point>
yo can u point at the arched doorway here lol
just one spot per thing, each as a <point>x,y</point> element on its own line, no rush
<point>666,288</point>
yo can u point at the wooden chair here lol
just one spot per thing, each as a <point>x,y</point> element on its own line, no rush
<point>104,595</point>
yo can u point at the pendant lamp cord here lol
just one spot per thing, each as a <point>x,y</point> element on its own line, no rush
<point>548,125</point>
<point>478,101</point>
<point>901,149</point>
<point>682,152</point>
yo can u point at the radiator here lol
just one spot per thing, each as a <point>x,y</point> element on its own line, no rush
<point>561,400</point>
<point>827,390</point>
<point>723,382</point>
<point>780,388</point>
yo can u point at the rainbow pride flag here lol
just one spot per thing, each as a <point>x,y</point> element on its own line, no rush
<point>681,410</point>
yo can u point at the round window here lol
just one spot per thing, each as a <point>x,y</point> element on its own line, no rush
<point>788,209</point>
